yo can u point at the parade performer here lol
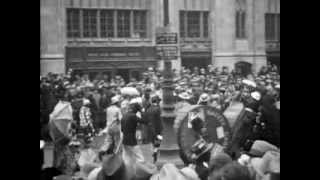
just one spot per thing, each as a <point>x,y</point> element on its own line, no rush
<point>245,128</point>
<point>86,129</point>
<point>60,125</point>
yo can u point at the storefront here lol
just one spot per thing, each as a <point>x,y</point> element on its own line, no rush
<point>195,59</point>
<point>128,62</point>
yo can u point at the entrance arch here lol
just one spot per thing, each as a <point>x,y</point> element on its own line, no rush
<point>244,68</point>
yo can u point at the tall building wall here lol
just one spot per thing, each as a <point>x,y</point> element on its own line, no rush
<point>221,48</point>
<point>53,38</point>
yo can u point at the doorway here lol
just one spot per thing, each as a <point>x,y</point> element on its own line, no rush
<point>244,68</point>
<point>190,63</point>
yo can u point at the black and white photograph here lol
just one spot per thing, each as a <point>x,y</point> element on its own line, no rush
<point>159,89</point>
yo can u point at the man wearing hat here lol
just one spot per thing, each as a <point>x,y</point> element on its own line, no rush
<point>129,122</point>
<point>113,112</point>
<point>155,127</point>
<point>266,167</point>
<point>183,99</point>
<point>204,99</point>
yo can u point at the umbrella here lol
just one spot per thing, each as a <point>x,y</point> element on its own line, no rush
<point>60,120</point>
<point>130,91</point>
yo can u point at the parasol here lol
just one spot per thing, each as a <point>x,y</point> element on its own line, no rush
<point>129,91</point>
<point>60,121</point>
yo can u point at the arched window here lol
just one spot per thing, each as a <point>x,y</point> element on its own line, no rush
<point>241,9</point>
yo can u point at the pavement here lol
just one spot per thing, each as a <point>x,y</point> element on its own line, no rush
<point>165,156</point>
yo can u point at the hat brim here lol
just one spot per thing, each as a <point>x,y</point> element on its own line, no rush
<point>184,97</point>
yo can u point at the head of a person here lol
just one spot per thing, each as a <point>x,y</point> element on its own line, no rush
<point>204,99</point>
<point>218,160</point>
<point>225,69</point>
<point>155,100</point>
<point>231,171</point>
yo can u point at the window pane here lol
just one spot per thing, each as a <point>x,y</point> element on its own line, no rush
<point>182,24</point>
<point>243,25</point>
<point>139,21</point>
<point>205,24</point>
<point>267,26</point>
<point>238,24</point>
<point>193,20</point>
<point>273,27</point>
<point>278,27</point>
<point>106,23</point>
<point>73,23</point>
<point>89,23</point>
<point>123,23</point>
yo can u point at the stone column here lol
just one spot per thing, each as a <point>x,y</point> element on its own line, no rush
<point>224,20</point>
<point>174,27</point>
<point>53,36</point>
<point>259,34</point>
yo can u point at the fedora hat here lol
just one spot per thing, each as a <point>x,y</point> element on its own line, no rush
<point>204,98</point>
<point>269,163</point>
<point>259,148</point>
<point>115,99</point>
<point>218,160</point>
<point>85,101</point>
<point>184,96</point>
<point>249,83</point>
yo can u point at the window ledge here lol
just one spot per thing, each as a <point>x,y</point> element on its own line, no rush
<point>195,39</point>
<point>108,39</point>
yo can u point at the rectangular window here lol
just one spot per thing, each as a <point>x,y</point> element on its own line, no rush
<point>241,8</point>
<point>272,27</point>
<point>240,24</point>
<point>278,27</point>
<point>182,24</point>
<point>106,23</point>
<point>190,22</point>
<point>73,23</point>
<point>193,23</point>
<point>123,23</point>
<point>139,23</point>
<point>90,23</point>
<point>205,24</point>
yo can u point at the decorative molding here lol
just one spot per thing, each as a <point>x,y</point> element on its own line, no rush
<point>52,56</point>
<point>239,55</point>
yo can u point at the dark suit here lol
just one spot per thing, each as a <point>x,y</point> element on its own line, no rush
<point>271,117</point>
<point>152,116</point>
<point>129,124</point>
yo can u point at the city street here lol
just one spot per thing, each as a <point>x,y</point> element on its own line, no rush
<point>166,156</point>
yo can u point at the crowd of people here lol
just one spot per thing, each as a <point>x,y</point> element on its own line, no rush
<point>99,106</point>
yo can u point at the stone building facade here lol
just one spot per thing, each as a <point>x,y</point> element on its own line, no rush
<point>118,36</point>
